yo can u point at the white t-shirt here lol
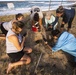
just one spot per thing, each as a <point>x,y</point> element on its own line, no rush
<point>51,20</point>
<point>7,25</point>
<point>10,48</point>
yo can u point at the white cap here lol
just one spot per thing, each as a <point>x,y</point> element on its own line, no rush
<point>36,9</point>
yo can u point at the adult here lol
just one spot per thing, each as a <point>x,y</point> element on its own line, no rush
<point>64,41</point>
<point>67,15</point>
<point>36,9</point>
<point>48,20</point>
<point>15,47</point>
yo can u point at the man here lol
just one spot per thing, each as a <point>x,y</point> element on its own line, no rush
<point>36,9</point>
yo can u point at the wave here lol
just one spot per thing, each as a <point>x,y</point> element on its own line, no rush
<point>24,7</point>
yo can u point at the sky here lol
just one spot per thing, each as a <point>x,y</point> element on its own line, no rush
<point>31,0</point>
<point>12,0</point>
<point>38,0</point>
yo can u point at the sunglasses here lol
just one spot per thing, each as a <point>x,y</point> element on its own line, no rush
<point>36,10</point>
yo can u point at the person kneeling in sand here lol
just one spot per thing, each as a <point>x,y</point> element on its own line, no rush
<point>64,41</point>
<point>48,20</point>
<point>15,47</point>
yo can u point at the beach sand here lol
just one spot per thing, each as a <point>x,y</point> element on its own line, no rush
<point>58,63</point>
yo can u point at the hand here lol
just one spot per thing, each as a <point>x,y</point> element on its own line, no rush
<point>62,26</point>
<point>23,38</point>
<point>24,34</point>
<point>50,26</point>
<point>46,43</point>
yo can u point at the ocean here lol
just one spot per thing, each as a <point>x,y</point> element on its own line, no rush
<point>14,7</point>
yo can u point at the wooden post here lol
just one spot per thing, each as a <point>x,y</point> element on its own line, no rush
<point>49,4</point>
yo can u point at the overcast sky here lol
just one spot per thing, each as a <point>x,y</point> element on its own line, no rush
<point>37,0</point>
<point>12,0</point>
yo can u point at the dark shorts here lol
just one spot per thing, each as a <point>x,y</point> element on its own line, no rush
<point>14,57</point>
<point>3,29</point>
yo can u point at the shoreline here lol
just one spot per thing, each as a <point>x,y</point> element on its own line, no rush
<point>7,18</point>
<point>58,63</point>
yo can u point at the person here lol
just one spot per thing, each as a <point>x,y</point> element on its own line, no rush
<point>34,10</point>
<point>35,24</point>
<point>67,15</point>
<point>5,26</point>
<point>38,29</point>
<point>15,47</point>
<point>64,41</point>
<point>48,20</point>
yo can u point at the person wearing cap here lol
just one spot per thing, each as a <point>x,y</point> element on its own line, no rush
<point>67,15</point>
<point>5,26</point>
<point>34,10</point>
<point>37,26</point>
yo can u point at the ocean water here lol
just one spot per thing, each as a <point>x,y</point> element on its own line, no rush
<point>7,8</point>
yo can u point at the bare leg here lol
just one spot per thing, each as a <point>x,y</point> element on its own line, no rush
<point>2,36</point>
<point>27,50</point>
<point>24,60</point>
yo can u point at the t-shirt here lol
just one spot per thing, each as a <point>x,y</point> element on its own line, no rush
<point>50,21</point>
<point>7,25</point>
<point>10,48</point>
<point>67,43</point>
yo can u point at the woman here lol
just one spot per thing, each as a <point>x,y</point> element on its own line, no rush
<point>64,41</point>
<point>67,15</point>
<point>48,20</point>
<point>14,46</point>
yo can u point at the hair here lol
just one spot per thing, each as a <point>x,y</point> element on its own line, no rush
<point>60,9</point>
<point>36,17</point>
<point>55,32</point>
<point>48,13</point>
<point>16,25</point>
<point>18,16</point>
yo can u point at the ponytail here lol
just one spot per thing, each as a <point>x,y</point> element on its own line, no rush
<point>60,9</point>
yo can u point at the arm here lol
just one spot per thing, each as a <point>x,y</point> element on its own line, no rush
<point>64,21</point>
<point>66,16</point>
<point>15,41</point>
<point>56,20</point>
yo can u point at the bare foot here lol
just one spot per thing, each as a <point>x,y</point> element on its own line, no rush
<point>9,68</point>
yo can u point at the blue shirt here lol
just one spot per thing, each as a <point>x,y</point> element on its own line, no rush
<point>67,43</point>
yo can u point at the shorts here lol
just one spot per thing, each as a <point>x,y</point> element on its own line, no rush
<point>3,29</point>
<point>14,57</point>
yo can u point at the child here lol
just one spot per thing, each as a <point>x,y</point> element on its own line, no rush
<point>5,26</point>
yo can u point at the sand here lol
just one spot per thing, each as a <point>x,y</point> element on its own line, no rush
<point>58,63</point>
